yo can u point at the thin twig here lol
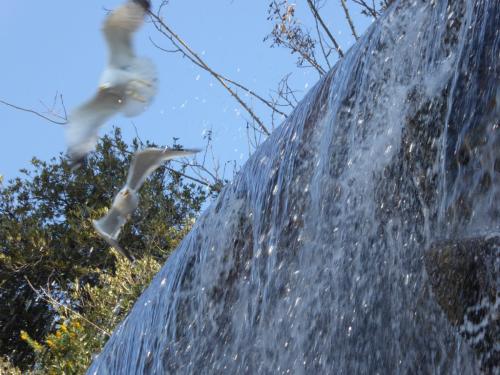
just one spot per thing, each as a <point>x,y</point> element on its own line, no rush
<point>334,41</point>
<point>370,9</point>
<point>285,92</point>
<point>189,177</point>
<point>320,39</point>
<point>137,134</point>
<point>194,179</point>
<point>349,19</point>
<point>237,84</point>
<point>193,56</point>
<point>198,166</point>
<point>288,32</point>
<point>310,59</point>
<point>251,92</point>
<point>48,298</point>
<point>33,112</point>
<point>63,106</point>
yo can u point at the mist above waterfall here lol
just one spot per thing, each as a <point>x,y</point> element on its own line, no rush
<point>312,259</point>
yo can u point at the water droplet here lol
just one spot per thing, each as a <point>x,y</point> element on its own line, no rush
<point>407,279</point>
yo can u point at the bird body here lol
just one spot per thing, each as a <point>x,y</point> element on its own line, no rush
<point>127,84</point>
<point>134,85</point>
<point>126,201</point>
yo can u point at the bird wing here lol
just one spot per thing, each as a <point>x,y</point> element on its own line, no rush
<point>84,122</point>
<point>111,241</point>
<point>110,224</point>
<point>149,159</point>
<point>144,71</point>
<point>118,29</point>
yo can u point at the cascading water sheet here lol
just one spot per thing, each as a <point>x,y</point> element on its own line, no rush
<point>312,259</point>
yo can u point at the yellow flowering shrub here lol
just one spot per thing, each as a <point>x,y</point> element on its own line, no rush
<point>70,348</point>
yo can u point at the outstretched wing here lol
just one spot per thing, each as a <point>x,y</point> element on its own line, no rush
<point>111,240</point>
<point>149,159</point>
<point>118,29</point>
<point>84,123</point>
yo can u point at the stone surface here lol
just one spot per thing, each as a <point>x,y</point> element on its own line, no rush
<point>312,259</point>
<point>465,279</point>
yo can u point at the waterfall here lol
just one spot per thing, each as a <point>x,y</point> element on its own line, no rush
<point>312,260</point>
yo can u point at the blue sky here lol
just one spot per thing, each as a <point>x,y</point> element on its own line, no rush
<point>56,47</point>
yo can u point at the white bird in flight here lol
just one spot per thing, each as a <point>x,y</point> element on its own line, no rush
<point>126,201</point>
<point>127,84</point>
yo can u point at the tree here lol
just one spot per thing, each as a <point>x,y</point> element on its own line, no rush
<point>54,269</point>
<point>49,243</point>
<point>314,44</point>
<point>310,37</point>
<point>79,336</point>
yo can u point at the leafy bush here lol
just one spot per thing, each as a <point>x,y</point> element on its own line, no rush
<point>54,268</point>
<point>80,336</point>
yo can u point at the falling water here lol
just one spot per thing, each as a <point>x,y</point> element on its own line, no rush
<point>311,260</point>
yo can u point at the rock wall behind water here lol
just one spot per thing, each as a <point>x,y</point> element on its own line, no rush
<point>312,260</point>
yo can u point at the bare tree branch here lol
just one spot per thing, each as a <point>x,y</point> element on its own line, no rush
<point>286,93</point>
<point>194,179</point>
<point>239,85</point>
<point>349,19</point>
<point>33,112</point>
<point>288,32</point>
<point>162,27</point>
<point>321,43</point>
<point>332,38</point>
<point>189,177</point>
<point>47,297</point>
<point>368,10</point>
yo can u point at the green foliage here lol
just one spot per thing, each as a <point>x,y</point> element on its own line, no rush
<point>49,245</point>
<point>70,348</point>
<point>7,368</point>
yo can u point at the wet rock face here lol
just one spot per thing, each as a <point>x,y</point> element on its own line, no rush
<point>465,280</point>
<point>462,273</point>
<point>313,259</point>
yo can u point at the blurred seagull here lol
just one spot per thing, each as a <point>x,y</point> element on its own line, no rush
<point>126,201</point>
<point>127,84</point>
